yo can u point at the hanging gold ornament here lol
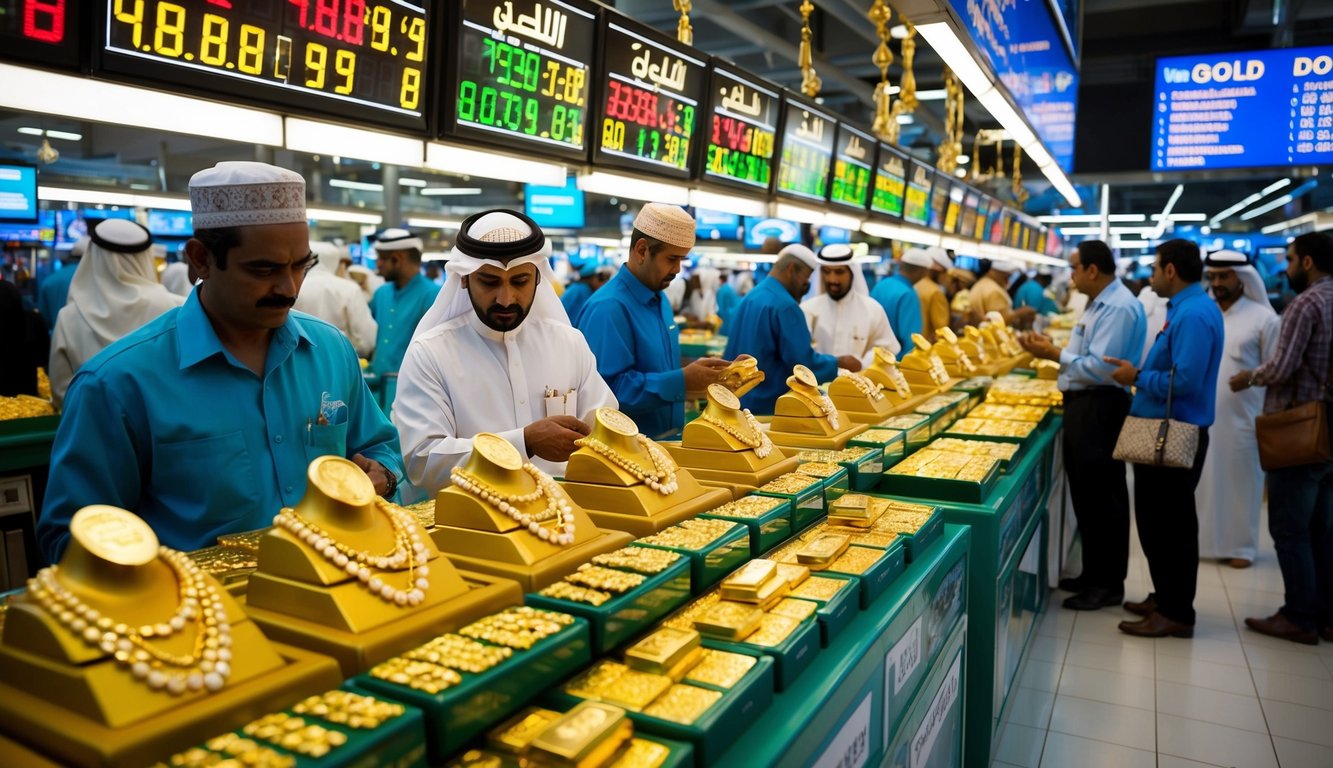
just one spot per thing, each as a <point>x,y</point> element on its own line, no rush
<point>906,103</point>
<point>952,145</point>
<point>1020,194</point>
<point>684,32</point>
<point>810,82</point>
<point>884,125</point>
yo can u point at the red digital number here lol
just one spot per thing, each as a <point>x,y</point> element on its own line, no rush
<point>354,21</point>
<point>44,21</point>
<point>326,17</point>
<point>645,112</point>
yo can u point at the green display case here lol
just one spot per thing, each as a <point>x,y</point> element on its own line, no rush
<point>914,426</point>
<point>790,657</point>
<point>709,564</point>
<point>27,442</point>
<point>892,448</point>
<point>807,507</point>
<point>863,473</point>
<point>931,736</point>
<point>765,532</point>
<point>456,715</point>
<point>834,614</point>
<point>940,489</point>
<point>872,582</point>
<point>624,616</point>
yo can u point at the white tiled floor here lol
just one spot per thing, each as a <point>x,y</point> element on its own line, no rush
<point>1091,696</point>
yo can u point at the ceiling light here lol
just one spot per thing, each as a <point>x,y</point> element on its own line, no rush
<point>1182,217</point>
<point>492,165</point>
<point>902,233</point>
<point>1275,186</point>
<point>964,159</point>
<point>634,188</point>
<point>1266,207</point>
<point>842,221</point>
<point>799,213</point>
<point>451,191</point>
<point>1038,154</point>
<point>1127,217</point>
<point>100,197</point>
<point>435,223</point>
<point>328,139</point>
<point>932,94</point>
<point>906,119</point>
<point>357,185</point>
<point>960,173</point>
<point>898,31</point>
<point>66,135</point>
<point>350,217</point>
<point>941,37</point>
<point>406,182</point>
<point>1162,218</point>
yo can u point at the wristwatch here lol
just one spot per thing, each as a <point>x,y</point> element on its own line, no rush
<point>392,485</point>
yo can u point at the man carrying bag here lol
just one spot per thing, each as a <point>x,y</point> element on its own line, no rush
<point>1294,447</point>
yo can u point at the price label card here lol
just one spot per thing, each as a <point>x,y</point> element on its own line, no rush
<point>903,659</point>
<point>850,747</point>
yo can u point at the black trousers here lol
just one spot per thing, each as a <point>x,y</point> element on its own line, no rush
<point>1169,532</point>
<point>1092,422</point>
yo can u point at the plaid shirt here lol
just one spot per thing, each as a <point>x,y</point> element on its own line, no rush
<point>1298,373</point>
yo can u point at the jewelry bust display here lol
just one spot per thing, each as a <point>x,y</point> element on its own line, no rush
<point>616,439</point>
<point>805,386</point>
<point>504,456</point>
<point>725,413</point>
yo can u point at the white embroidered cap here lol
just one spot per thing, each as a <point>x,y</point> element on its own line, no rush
<point>918,257</point>
<point>668,223</point>
<point>941,257</point>
<point>246,194</point>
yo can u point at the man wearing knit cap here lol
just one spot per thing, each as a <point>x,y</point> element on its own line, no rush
<point>900,302</point>
<point>770,326</point>
<point>990,294</point>
<point>205,420</point>
<point>842,317</point>
<point>400,303</point>
<point>495,353</point>
<point>632,331</point>
<point>919,266</point>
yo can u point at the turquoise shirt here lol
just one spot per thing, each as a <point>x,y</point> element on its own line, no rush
<point>397,311</point>
<point>901,303</point>
<point>53,293</point>
<point>1191,343</point>
<point>1031,294</point>
<point>170,425</point>
<point>770,326</point>
<point>574,297</point>
<point>727,301</point>
<point>632,333</point>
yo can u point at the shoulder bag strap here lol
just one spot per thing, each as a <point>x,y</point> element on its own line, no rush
<point>1164,427</point>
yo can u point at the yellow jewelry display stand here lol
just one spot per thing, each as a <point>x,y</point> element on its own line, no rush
<point>901,394</point>
<point>302,596</point>
<point>610,475</point>
<point>476,534</point>
<point>973,344</point>
<point>956,361</point>
<point>1009,353</point>
<point>805,418</point>
<point>924,368</point>
<point>80,698</point>
<point>726,448</point>
<point>860,399</point>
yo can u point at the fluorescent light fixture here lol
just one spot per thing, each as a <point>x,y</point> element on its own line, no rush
<point>842,221</point>
<point>492,165</point>
<point>1271,188</point>
<point>1163,217</point>
<point>1004,113</point>
<point>1079,231</point>
<point>435,223</point>
<point>906,119</point>
<point>329,139</point>
<point>964,159</point>
<point>350,217</point>
<point>100,197</point>
<point>451,191</point>
<point>1138,244</point>
<point>956,244</point>
<point>940,36</point>
<point>1266,207</point>
<point>799,213</point>
<point>634,188</point>
<point>48,93</point>
<point>605,242</point>
<point>960,173</point>
<point>1039,155</point>
<point>726,203</point>
<point>1061,183</point>
<point>1181,217</point>
<point>1070,218</point>
<point>66,135</point>
<point>363,186</point>
<point>932,94</point>
<point>1127,217</point>
<point>403,181</point>
<point>1132,231</point>
<point>899,232</point>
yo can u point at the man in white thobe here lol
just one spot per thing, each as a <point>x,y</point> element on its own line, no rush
<point>1230,490</point>
<point>495,353</point>
<point>337,300</point>
<point>843,319</point>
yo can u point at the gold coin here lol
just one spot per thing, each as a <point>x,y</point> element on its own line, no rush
<point>341,480</point>
<point>617,422</point>
<point>805,376</point>
<point>498,451</point>
<point>723,397</point>
<point>114,534</point>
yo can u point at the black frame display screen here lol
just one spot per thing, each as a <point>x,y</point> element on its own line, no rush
<point>916,203</point>
<point>741,129</point>
<point>357,60</point>
<point>43,32</point>
<point>853,167</point>
<point>521,75</point>
<point>888,195</point>
<point>649,102</point>
<point>806,154</point>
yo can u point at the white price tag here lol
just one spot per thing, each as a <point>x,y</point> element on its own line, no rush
<point>904,657</point>
<point>928,734</point>
<point>850,748</point>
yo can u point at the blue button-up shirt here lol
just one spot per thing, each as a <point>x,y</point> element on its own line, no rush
<point>1191,342</point>
<point>170,425</point>
<point>632,333</point>
<point>727,301</point>
<point>574,297</point>
<point>1113,325</point>
<point>1031,294</point>
<point>770,326</point>
<point>898,297</point>
<point>53,294</point>
<point>397,311</point>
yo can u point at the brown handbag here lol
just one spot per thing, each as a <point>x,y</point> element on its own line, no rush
<point>1297,435</point>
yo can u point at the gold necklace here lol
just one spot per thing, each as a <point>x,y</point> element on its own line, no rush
<point>868,388</point>
<point>206,667</point>
<point>557,507</point>
<point>661,478</point>
<point>757,439</point>
<point>823,403</point>
<point>408,551</point>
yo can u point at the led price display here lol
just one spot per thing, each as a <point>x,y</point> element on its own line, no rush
<point>939,201</point>
<point>979,225</point>
<point>1225,110</point>
<point>650,100</point>
<point>853,160</point>
<point>523,73</point>
<point>969,224</point>
<point>18,193</point>
<point>807,152</point>
<point>953,209</point>
<point>362,57</point>
<point>916,205</point>
<point>742,129</point>
<point>890,182</point>
<point>44,32</point>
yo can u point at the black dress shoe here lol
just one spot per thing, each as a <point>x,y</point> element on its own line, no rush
<point>1073,584</point>
<point>1144,608</point>
<point>1156,625</point>
<point>1327,633</point>
<point>1279,626</point>
<point>1093,599</point>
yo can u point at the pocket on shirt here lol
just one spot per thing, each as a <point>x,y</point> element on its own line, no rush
<point>326,440</point>
<point>213,475</point>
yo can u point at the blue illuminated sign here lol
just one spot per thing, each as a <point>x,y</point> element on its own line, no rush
<point>18,193</point>
<point>757,230</point>
<point>554,207</point>
<point>170,223</point>
<point>1020,41</point>
<point>1244,110</point>
<point>716,225</point>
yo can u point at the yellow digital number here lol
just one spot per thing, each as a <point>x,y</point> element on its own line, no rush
<point>410,94</point>
<point>574,86</point>
<point>613,134</point>
<point>316,57</point>
<point>170,23</point>
<point>379,28</point>
<point>213,47</point>
<point>552,75</point>
<point>416,32</point>
<point>344,62</point>
<point>134,17</point>
<point>250,59</point>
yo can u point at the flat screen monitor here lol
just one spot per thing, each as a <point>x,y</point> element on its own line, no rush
<point>18,193</point>
<point>716,225</point>
<point>759,229</point>
<point>170,223</point>
<point>916,206</point>
<point>554,207</point>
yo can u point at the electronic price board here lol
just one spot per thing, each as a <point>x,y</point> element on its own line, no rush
<point>890,182</point>
<point>649,105</point>
<point>979,230</point>
<point>1244,110</point>
<point>42,32</point>
<point>953,210</point>
<point>967,228</point>
<point>807,151</point>
<point>916,204</point>
<point>741,129</point>
<point>357,60</point>
<point>18,192</point>
<point>853,163</point>
<point>521,75</point>
<point>939,200</point>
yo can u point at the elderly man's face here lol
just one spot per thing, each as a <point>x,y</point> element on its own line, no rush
<point>502,298</point>
<point>837,281</point>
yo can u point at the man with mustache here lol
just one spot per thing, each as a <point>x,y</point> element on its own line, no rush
<point>399,304</point>
<point>495,353</point>
<point>205,420</point>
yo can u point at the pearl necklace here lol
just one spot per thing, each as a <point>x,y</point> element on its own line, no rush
<point>662,477</point>
<point>408,551</point>
<point>868,388</point>
<point>557,508</point>
<point>206,667</point>
<point>757,439</point>
<point>823,403</point>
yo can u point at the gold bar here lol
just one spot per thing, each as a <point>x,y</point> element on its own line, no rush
<point>856,560</point>
<point>640,753</point>
<point>729,620</point>
<point>769,594</point>
<point>586,735</point>
<point>823,550</point>
<point>794,574</point>
<point>751,575</point>
<point>636,690</point>
<point>773,630</point>
<point>683,704</point>
<point>515,734</point>
<point>794,608</point>
<point>721,668</point>
<point>820,588</point>
<point>662,650</point>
